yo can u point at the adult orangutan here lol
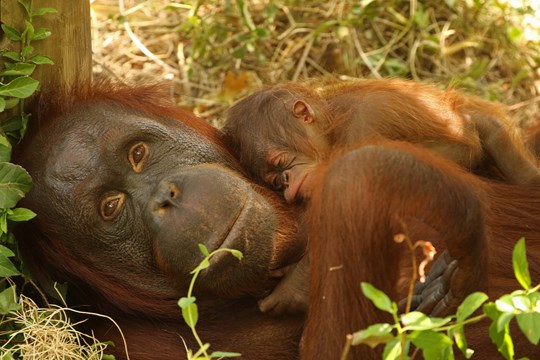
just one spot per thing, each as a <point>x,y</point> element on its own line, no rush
<point>125,187</point>
<point>532,134</point>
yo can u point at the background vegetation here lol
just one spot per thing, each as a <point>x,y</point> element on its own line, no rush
<point>212,52</point>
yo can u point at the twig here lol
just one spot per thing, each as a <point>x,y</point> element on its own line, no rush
<point>519,105</point>
<point>363,55</point>
<point>347,348</point>
<point>139,44</point>
<point>302,60</point>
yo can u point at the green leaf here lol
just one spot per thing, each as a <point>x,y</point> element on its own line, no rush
<point>521,303</point>
<point>19,69</point>
<point>239,53</point>
<point>2,106</point>
<point>41,60</point>
<point>29,30</point>
<point>8,300</point>
<point>434,345</point>
<point>521,266</point>
<point>14,183</point>
<point>514,33</point>
<point>6,252</point>
<point>11,103</point>
<point>21,87</point>
<point>27,50</point>
<point>44,10</point>
<point>204,250</point>
<point>505,304</point>
<point>374,335</point>
<point>12,55</point>
<point>8,239</point>
<point>262,33</point>
<point>190,313</point>
<point>503,320</point>
<point>416,320</point>
<point>479,67</point>
<point>21,214</point>
<point>377,297</point>
<point>27,6</point>
<point>529,323</point>
<point>237,254</point>
<point>13,124</point>
<point>470,305</point>
<point>501,338</point>
<point>3,223</point>
<point>41,34</point>
<point>7,268</point>
<point>461,342</point>
<point>521,75</point>
<point>203,265</point>
<point>6,356</point>
<point>392,350</point>
<point>24,124</point>
<point>12,33</point>
<point>222,354</point>
<point>184,302</point>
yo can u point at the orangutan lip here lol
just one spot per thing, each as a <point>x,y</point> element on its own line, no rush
<point>229,238</point>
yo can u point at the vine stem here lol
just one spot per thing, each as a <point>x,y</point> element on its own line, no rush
<point>414,277</point>
<point>465,322</point>
<point>202,346</point>
<point>195,8</point>
<point>25,41</point>
<point>347,347</point>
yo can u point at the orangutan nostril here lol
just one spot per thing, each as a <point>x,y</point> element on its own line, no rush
<point>173,191</point>
<point>164,205</point>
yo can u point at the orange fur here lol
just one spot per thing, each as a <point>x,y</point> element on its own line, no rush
<point>364,198</point>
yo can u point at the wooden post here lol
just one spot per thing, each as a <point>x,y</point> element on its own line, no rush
<point>69,46</point>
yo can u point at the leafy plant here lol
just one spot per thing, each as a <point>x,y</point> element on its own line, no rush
<point>190,311</point>
<point>435,337</point>
<point>16,85</point>
<point>211,35</point>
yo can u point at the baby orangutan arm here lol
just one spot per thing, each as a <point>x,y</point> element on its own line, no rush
<point>509,158</point>
<point>291,294</point>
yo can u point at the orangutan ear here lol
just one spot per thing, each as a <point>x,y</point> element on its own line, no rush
<point>303,111</point>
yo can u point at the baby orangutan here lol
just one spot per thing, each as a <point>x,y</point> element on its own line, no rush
<point>284,132</point>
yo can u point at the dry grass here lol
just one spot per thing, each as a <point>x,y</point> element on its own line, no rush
<point>213,52</point>
<point>48,333</point>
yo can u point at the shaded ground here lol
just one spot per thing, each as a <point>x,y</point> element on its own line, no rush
<point>213,52</point>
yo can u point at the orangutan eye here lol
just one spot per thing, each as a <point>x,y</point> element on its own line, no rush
<point>111,206</point>
<point>276,181</point>
<point>137,155</point>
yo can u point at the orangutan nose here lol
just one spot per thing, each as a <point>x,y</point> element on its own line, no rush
<point>285,178</point>
<point>168,195</point>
